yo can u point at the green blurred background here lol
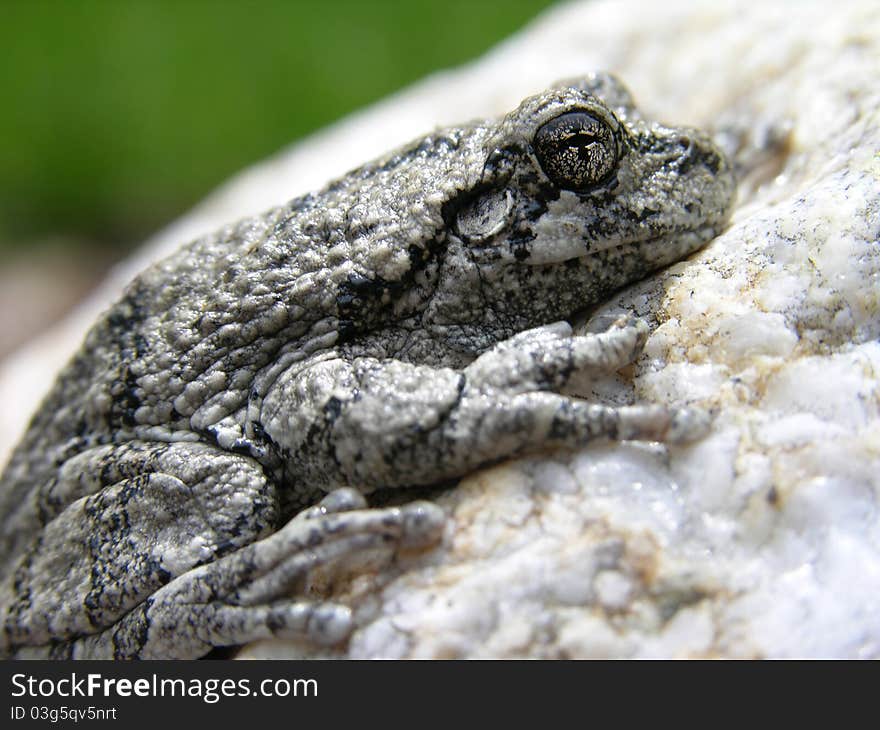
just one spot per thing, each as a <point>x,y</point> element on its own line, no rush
<point>118,115</point>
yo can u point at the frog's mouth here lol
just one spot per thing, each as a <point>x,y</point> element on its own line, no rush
<point>559,250</point>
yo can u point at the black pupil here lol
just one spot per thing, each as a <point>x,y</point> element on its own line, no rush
<point>576,150</point>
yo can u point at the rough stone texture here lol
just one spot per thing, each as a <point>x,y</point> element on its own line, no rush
<point>764,538</point>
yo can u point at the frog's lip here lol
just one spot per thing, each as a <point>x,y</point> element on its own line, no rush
<point>704,233</point>
<point>698,237</point>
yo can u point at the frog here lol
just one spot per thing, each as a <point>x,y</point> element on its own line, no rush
<point>211,446</point>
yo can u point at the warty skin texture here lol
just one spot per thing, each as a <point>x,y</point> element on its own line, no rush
<point>394,329</point>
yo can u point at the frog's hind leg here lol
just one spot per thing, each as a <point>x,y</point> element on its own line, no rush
<point>114,572</point>
<point>120,521</point>
<point>240,598</point>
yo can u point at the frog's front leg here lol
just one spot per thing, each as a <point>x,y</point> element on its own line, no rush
<point>166,550</point>
<point>375,422</point>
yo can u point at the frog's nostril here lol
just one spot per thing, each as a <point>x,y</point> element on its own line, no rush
<point>686,144</point>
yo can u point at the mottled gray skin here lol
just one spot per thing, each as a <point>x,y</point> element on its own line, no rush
<point>393,329</point>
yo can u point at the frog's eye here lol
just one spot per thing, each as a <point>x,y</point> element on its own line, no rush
<point>576,150</point>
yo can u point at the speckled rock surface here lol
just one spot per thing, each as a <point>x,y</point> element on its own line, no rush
<point>764,538</point>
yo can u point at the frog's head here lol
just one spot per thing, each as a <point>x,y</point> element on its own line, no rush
<point>577,196</point>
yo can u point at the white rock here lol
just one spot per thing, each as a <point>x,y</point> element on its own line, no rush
<point>764,538</point>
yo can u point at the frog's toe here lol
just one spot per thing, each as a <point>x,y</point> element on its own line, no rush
<point>345,499</point>
<point>689,424</point>
<point>323,623</point>
<point>165,629</point>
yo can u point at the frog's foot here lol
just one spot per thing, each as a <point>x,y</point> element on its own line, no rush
<point>242,597</point>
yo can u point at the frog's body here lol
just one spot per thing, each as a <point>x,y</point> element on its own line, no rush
<point>391,330</point>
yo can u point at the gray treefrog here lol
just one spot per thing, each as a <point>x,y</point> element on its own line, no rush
<point>403,326</point>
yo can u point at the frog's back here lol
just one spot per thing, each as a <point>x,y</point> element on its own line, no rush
<point>177,356</point>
